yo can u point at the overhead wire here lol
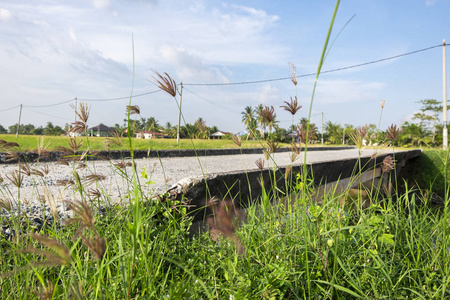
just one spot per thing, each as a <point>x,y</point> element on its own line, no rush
<point>313,74</point>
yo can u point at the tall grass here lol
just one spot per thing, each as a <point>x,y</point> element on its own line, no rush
<point>281,246</point>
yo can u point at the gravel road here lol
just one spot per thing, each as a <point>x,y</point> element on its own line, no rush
<point>161,174</point>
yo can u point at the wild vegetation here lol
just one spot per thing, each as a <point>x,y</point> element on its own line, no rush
<point>280,246</point>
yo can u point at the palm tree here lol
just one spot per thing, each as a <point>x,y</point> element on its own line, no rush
<point>259,119</point>
<point>334,132</point>
<point>248,118</point>
<point>269,116</point>
<point>151,124</point>
<point>202,129</point>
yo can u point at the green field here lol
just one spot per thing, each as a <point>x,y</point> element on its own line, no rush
<point>31,142</point>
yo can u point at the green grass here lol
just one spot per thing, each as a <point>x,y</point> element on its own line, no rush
<point>30,143</point>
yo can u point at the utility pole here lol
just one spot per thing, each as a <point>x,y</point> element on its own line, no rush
<point>444,81</point>
<point>18,124</point>
<point>179,113</point>
<point>322,129</point>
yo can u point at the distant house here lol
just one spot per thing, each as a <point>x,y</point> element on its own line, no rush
<point>295,135</point>
<point>149,134</point>
<point>100,130</point>
<point>218,134</point>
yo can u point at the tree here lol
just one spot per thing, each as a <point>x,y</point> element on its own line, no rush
<point>3,130</point>
<point>333,132</point>
<point>202,132</point>
<point>260,122</point>
<point>50,129</point>
<point>248,118</point>
<point>151,124</point>
<point>429,113</point>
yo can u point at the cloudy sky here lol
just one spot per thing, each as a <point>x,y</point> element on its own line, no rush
<point>52,51</point>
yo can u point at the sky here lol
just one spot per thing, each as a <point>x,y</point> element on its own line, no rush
<point>103,51</point>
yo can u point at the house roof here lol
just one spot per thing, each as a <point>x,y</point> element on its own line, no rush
<point>101,127</point>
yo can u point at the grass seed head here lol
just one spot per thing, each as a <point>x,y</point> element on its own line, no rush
<point>293,107</point>
<point>260,163</point>
<point>59,255</point>
<point>15,177</point>
<point>133,110</point>
<point>83,214</point>
<point>392,133</point>
<point>166,83</point>
<point>388,164</point>
<point>293,73</point>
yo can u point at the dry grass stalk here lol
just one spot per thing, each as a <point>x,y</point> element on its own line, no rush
<point>81,166</point>
<point>293,107</point>
<point>293,156</point>
<point>266,153</point>
<point>26,170</point>
<point>167,84</point>
<point>133,110</point>
<point>120,165</point>
<point>288,172</point>
<point>15,177</point>
<point>268,114</point>
<point>116,139</point>
<point>260,163</point>
<point>96,244</point>
<point>74,144</point>
<point>50,198</point>
<point>293,73</point>
<point>83,214</point>
<point>226,218</point>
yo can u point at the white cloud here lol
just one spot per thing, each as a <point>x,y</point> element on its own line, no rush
<point>5,15</point>
<point>430,2</point>
<point>101,4</point>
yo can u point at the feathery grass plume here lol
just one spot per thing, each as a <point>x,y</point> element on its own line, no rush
<point>41,149</point>
<point>26,170</point>
<point>65,182</point>
<point>392,133</point>
<point>6,204</point>
<point>381,114</point>
<point>82,215</point>
<point>82,112</point>
<point>74,144</point>
<point>167,84</point>
<point>81,166</point>
<point>236,140</point>
<point>268,115</point>
<point>78,127</point>
<point>92,178</point>
<point>45,169</point>
<point>120,165</point>
<point>266,153</point>
<point>12,156</point>
<point>10,145</point>
<point>272,146</point>
<point>62,161</point>
<point>358,135</point>
<point>59,256</point>
<point>65,151</point>
<point>388,164</point>
<point>46,292</point>
<point>293,107</point>
<point>49,197</point>
<point>293,73</point>
<point>260,163</point>
<point>2,142</point>
<point>288,172</point>
<point>96,244</point>
<point>293,156</point>
<point>116,139</point>
<point>226,218</point>
<point>94,193</point>
<point>15,177</point>
<point>133,110</point>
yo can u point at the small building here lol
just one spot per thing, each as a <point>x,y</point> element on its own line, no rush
<point>149,134</point>
<point>100,130</point>
<point>218,135</point>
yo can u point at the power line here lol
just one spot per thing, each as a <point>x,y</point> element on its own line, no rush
<point>314,74</point>
<point>49,105</point>
<point>10,108</point>
<point>120,98</point>
<point>50,115</point>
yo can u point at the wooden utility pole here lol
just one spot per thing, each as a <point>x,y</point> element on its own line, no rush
<point>18,124</point>
<point>179,113</point>
<point>444,81</point>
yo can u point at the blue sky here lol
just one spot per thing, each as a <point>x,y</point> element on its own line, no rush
<point>55,50</point>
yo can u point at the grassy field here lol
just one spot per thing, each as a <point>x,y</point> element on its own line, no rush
<point>30,143</point>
